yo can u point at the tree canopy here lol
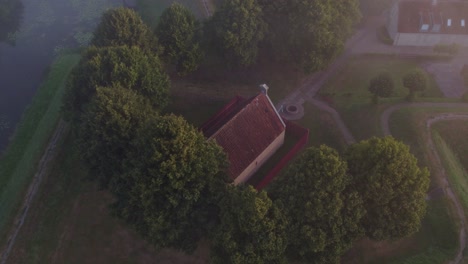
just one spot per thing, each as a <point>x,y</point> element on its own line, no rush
<point>128,67</point>
<point>107,127</point>
<point>251,230</point>
<point>170,188</point>
<point>238,27</point>
<point>391,184</point>
<point>415,81</point>
<point>124,27</point>
<point>381,85</point>
<point>323,215</point>
<point>309,33</point>
<point>177,30</point>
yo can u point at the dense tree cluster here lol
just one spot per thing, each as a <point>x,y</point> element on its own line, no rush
<point>329,201</point>
<point>251,229</point>
<point>170,183</point>
<point>128,67</point>
<point>324,212</point>
<point>309,33</point>
<point>165,175</point>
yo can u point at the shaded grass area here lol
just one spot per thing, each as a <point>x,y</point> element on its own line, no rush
<point>407,125</point>
<point>348,91</point>
<point>322,128</point>
<point>454,169</point>
<point>435,243</point>
<point>70,222</point>
<point>20,160</point>
<point>437,240</point>
<point>454,133</point>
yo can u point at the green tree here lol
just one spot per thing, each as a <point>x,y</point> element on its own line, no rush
<point>172,182</point>
<point>252,229</point>
<point>309,33</point>
<point>124,27</point>
<point>176,30</point>
<point>381,86</point>
<point>238,27</point>
<point>323,213</point>
<point>107,127</point>
<point>128,67</point>
<point>391,184</point>
<point>415,81</point>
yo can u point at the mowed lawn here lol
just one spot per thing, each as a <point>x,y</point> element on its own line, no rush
<point>451,140</point>
<point>347,91</point>
<point>32,134</point>
<point>71,222</point>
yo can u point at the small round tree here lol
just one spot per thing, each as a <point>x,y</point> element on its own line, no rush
<point>124,27</point>
<point>176,31</point>
<point>415,81</point>
<point>381,86</point>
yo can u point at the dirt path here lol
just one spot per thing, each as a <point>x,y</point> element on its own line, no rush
<point>32,190</point>
<point>441,173</point>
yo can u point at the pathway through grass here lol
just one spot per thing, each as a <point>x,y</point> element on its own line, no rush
<point>20,160</point>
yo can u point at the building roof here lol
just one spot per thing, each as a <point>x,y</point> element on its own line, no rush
<point>440,18</point>
<point>244,128</point>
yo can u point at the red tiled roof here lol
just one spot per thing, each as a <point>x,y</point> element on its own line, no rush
<point>411,13</point>
<point>244,129</point>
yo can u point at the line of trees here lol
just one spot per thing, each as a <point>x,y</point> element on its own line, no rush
<point>382,85</point>
<point>171,185</point>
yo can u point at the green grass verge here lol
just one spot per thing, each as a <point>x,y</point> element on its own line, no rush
<point>20,160</point>
<point>453,165</point>
<point>70,222</point>
<point>438,238</point>
<point>348,91</point>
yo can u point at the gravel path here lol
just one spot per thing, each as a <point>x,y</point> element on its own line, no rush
<point>32,190</point>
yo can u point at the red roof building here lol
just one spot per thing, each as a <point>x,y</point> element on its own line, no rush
<point>428,22</point>
<point>249,130</point>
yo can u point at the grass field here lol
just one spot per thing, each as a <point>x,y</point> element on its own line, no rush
<point>437,241</point>
<point>408,125</point>
<point>19,162</point>
<point>452,143</point>
<point>434,243</point>
<point>70,222</point>
<point>348,91</point>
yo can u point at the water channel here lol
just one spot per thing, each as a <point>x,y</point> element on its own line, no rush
<point>32,34</point>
